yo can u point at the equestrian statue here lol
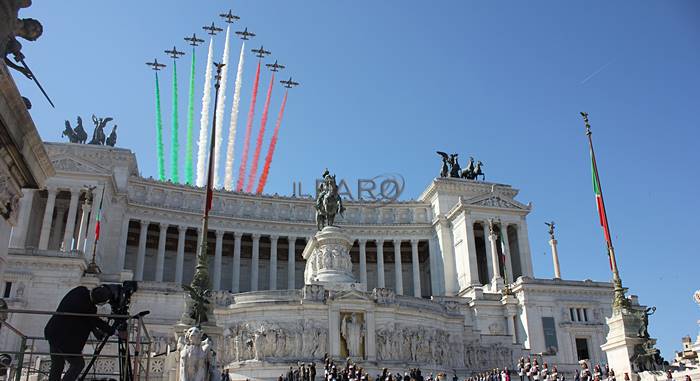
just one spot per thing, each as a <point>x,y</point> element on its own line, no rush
<point>328,201</point>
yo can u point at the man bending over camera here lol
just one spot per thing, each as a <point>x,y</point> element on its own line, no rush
<point>67,334</point>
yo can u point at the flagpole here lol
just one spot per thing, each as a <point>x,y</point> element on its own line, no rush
<point>619,299</point>
<point>200,281</point>
<point>92,267</point>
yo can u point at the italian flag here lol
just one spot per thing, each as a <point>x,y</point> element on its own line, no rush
<point>98,218</point>
<point>600,203</point>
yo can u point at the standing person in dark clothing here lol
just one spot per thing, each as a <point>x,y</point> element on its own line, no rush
<point>67,334</point>
<point>312,371</point>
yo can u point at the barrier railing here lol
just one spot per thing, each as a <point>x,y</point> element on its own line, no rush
<point>126,356</point>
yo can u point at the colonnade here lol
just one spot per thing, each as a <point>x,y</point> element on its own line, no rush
<point>51,226</point>
<point>255,265</point>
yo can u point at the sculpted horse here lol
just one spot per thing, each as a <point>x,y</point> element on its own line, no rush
<point>112,138</point>
<point>70,133</point>
<point>328,203</point>
<point>478,172</point>
<point>80,132</point>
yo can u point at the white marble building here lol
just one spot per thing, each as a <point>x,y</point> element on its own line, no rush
<point>432,272</point>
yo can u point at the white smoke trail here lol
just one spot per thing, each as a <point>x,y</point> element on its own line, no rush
<point>204,120</point>
<point>220,111</point>
<point>228,178</point>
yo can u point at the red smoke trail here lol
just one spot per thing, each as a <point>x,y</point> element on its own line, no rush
<point>248,128</point>
<point>261,134</point>
<point>271,150</point>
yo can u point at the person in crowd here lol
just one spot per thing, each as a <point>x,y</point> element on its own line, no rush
<point>225,376</point>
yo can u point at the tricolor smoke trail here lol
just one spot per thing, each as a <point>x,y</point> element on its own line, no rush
<point>271,150</point>
<point>204,119</point>
<point>189,175</point>
<point>175,143</point>
<point>261,134</point>
<point>248,128</point>
<point>228,176</point>
<point>159,135</point>
<point>220,109</point>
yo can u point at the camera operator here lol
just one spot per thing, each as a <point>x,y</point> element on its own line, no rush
<point>67,334</point>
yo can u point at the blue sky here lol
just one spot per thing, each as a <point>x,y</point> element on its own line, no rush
<point>386,84</point>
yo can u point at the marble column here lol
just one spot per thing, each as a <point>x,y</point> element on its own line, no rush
<point>416,268</point>
<point>160,258</point>
<point>398,269</point>
<point>380,263</point>
<point>236,274</point>
<point>435,277</point>
<point>471,247</point>
<point>180,258</point>
<point>273,262</point>
<point>70,220</point>
<point>141,256</point>
<point>217,259</point>
<point>506,252</point>
<point>449,264</point>
<point>48,218</point>
<point>555,258</point>
<point>291,270</point>
<point>82,233</point>
<point>493,240</point>
<point>363,261</point>
<point>122,243</point>
<point>255,263</point>
<point>19,232</point>
<point>524,248</point>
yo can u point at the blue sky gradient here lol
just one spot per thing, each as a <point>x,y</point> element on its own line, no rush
<point>386,84</point>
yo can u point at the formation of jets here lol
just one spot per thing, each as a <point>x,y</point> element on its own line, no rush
<point>275,66</point>
<point>194,41</point>
<point>175,54</point>
<point>155,65</point>
<point>245,34</point>
<point>229,17</point>
<point>261,53</point>
<point>289,83</point>
<point>212,29</point>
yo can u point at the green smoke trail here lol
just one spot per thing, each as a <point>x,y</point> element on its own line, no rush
<point>159,135</point>
<point>189,172</point>
<point>175,143</point>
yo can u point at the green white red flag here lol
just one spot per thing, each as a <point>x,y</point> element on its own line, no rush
<point>600,204</point>
<point>98,218</point>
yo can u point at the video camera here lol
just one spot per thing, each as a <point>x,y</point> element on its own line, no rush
<point>120,299</point>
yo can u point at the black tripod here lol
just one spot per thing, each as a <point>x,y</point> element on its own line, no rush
<point>120,327</point>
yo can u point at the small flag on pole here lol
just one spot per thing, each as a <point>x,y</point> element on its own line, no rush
<point>99,217</point>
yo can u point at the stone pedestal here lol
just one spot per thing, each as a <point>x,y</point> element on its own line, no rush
<point>328,260</point>
<point>625,350</point>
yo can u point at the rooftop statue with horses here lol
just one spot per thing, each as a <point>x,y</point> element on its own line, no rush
<point>328,201</point>
<point>451,168</point>
<point>79,135</point>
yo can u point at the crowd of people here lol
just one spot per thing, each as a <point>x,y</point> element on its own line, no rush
<point>527,370</point>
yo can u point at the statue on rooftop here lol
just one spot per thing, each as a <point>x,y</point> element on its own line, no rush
<point>98,136</point>
<point>112,138</point>
<point>77,135</point>
<point>451,168</point>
